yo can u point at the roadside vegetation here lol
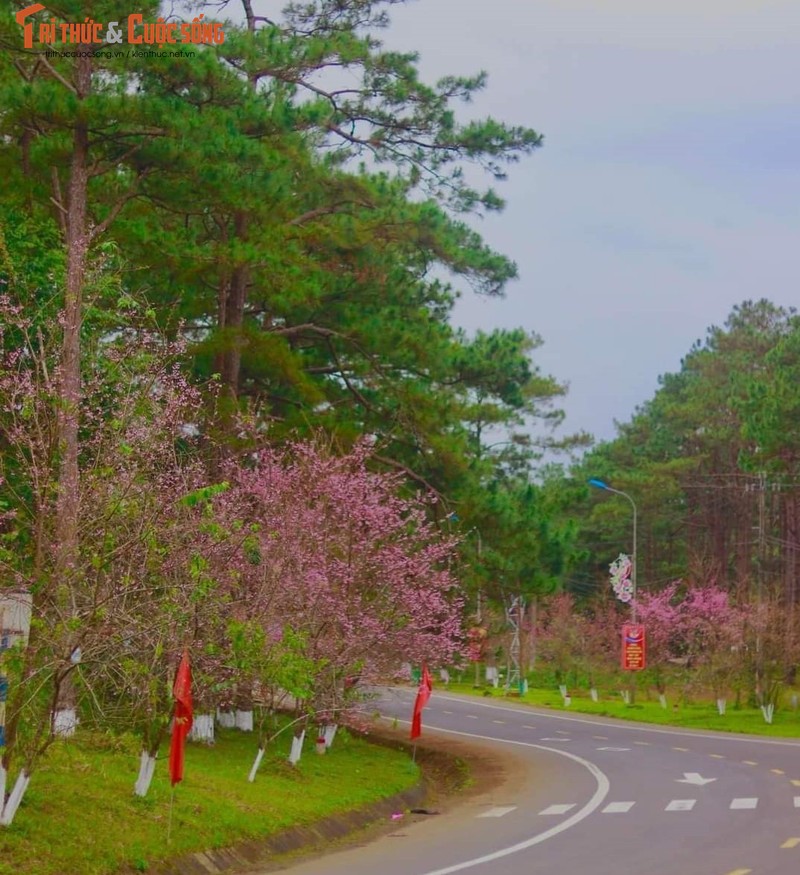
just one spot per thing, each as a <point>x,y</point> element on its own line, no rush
<point>81,817</point>
<point>236,416</point>
<point>238,421</point>
<point>699,713</point>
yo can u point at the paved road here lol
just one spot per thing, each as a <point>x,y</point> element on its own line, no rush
<point>597,797</point>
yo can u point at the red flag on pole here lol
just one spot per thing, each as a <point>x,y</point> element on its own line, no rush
<point>423,694</point>
<point>182,722</point>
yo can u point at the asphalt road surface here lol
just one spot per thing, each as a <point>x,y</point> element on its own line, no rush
<point>596,797</point>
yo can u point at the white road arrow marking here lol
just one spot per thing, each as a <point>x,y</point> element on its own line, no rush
<point>694,778</point>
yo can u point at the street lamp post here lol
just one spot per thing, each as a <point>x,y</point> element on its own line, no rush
<point>599,484</point>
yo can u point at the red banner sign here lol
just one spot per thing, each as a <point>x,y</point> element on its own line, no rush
<point>633,658</point>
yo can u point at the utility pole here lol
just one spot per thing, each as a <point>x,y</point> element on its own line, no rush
<point>515,611</point>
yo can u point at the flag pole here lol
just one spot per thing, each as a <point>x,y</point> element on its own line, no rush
<point>169,821</point>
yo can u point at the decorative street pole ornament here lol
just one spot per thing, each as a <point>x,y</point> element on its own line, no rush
<point>621,580</point>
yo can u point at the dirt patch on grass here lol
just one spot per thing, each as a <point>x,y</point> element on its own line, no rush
<point>453,772</point>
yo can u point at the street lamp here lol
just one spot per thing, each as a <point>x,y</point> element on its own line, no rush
<point>599,484</point>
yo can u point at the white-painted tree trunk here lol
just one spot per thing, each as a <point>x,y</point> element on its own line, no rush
<point>244,721</point>
<point>65,722</point>
<point>768,711</point>
<point>10,808</point>
<point>593,695</point>
<point>721,705</point>
<point>562,688</point>
<point>297,748</point>
<point>2,789</point>
<point>226,719</point>
<point>259,756</point>
<point>202,728</point>
<point>567,701</point>
<point>147,767</point>
<point>626,696</point>
<point>330,734</point>
<point>662,700</point>
<point>320,746</point>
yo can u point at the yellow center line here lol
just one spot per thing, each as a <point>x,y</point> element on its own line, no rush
<point>750,762</point>
<point>682,749</point>
<point>740,872</point>
<point>642,742</point>
<point>777,771</point>
<point>796,783</point>
<point>791,843</point>
<point>717,756</point>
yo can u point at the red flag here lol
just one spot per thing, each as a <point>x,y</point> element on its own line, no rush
<point>182,722</point>
<point>423,694</point>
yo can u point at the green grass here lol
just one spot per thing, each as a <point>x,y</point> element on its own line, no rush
<point>80,817</point>
<point>646,709</point>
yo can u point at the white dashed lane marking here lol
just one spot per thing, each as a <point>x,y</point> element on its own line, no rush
<point>558,809</point>
<point>744,802</point>
<point>681,805</point>
<point>618,807</point>
<point>499,811</point>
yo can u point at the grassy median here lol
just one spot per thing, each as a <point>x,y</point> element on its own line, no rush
<point>80,817</point>
<point>699,713</point>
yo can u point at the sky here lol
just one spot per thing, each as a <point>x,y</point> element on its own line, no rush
<point>668,187</point>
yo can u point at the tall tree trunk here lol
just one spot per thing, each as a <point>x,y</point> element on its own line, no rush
<point>68,502</point>
<point>234,289</point>
<point>236,298</point>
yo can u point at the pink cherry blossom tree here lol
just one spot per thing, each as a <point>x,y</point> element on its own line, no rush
<point>135,462</point>
<point>336,559</point>
<point>559,638</point>
<point>711,631</point>
<point>661,614</point>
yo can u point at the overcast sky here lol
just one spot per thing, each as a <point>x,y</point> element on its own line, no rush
<point>667,190</point>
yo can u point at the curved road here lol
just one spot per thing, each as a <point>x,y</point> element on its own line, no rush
<point>597,797</point>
